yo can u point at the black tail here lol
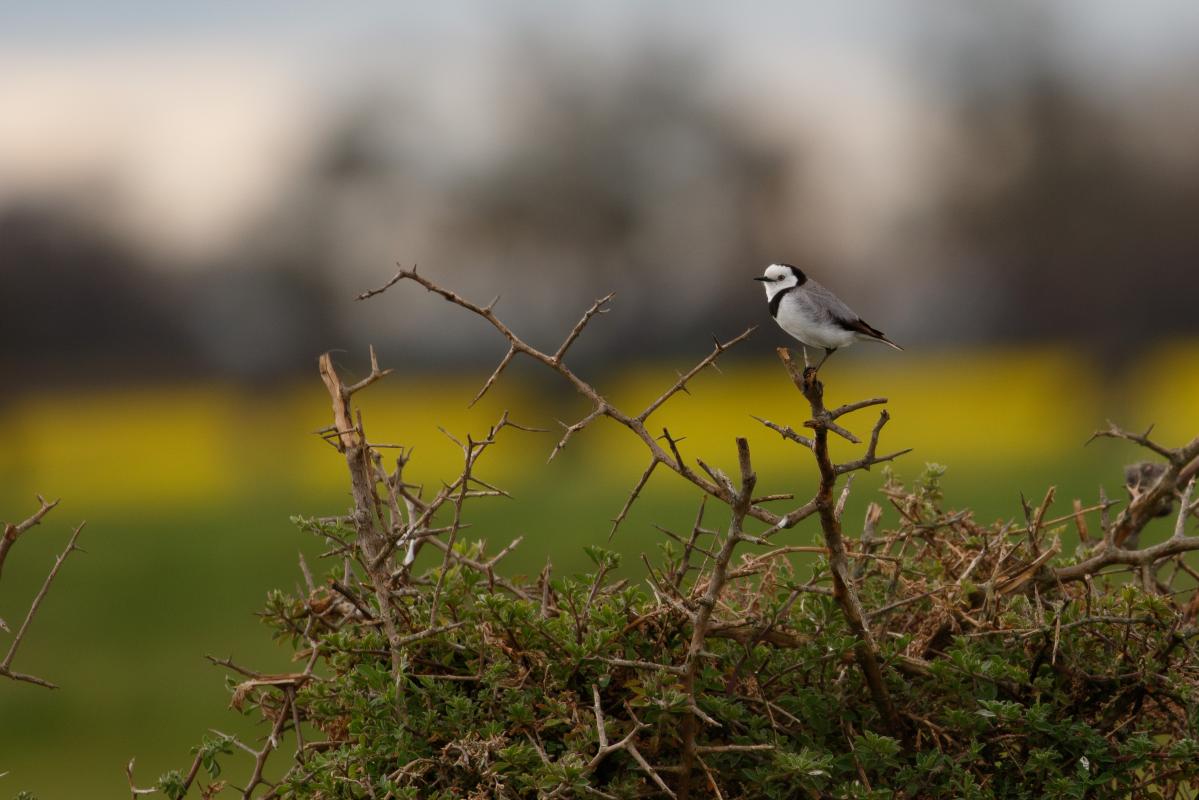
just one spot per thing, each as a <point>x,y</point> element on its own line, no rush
<point>861,326</point>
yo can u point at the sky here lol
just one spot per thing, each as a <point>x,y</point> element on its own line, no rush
<point>199,111</point>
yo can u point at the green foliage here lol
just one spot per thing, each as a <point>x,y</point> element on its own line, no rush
<point>171,784</point>
<point>1029,691</point>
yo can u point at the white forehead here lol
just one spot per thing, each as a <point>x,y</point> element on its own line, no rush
<point>776,271</point>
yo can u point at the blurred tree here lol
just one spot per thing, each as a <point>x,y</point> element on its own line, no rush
<point>81,304</point>
<point>1077,235</point>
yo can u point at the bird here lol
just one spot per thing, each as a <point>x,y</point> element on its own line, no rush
<point>813,314</point>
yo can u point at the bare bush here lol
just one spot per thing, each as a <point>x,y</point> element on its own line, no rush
<point>937,657</point>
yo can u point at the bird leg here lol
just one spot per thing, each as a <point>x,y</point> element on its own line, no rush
<point>828,351</point>
<point>804,347</point>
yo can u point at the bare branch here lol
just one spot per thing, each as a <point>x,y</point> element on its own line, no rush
<point>741,504</point>
<point>681,383</point>
<point>600,407</point>
<point>851,607</point>
<point>374,375</point>
<point>840,411</point>
<point>13,531</point>
<point>1177,543</point>
<point>1148,501</point>
<point>571,430</point>
<point>787,433</point>
<point>640,759</point>
<point>511,354</point>
<point>6,664</point>
<point>133,790</point>
<point>1184,510</point>
<point>598,307</point>
<point>369,293</point>
<point>828,424</point>
<point>644,479</point>
<point>870,459</point>
<point>1112,431</point>
<point>844,498</point>
<point>372,541</point>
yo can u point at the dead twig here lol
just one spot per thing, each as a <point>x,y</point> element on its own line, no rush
<point>6,669</point>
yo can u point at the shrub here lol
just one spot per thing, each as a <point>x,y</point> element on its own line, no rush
<point>935,657</point>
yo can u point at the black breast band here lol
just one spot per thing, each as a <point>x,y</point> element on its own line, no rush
<point>776,300</point>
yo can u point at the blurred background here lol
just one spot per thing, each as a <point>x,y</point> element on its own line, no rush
<point>191,196</point>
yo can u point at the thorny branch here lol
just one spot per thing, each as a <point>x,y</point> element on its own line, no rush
<point>12,532</point>
<point>1181,465</point>
<point>843,590</point>
<point>706,603</point>
<point>600,407</point>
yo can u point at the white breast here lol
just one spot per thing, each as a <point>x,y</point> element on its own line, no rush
<point>795,319</point>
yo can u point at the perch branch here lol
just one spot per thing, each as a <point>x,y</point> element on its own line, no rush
<point>851,607</point>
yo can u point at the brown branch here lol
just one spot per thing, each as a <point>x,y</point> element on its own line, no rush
<point>1112,431</point>
<point>596,308</point>
<point>1181,466</point>
<point>228,664</point>
<point>828,425</point>
<point>851,608</point>
<point>606,749</point>
<point>841,411</point>
<point>13,531</point>
<point>348,594</point>
<point>470,452</point>
<point>369,293</point>
<point>601,408</point>
<point>870,459</point>
<point>703,617</point>
<point>480,566</point>
<point>787,433</point>
<point>374,375</point>
<point>571,430</point>
<point>1177,543</point>
<point>269,745</point>
<point>134,792</point>
<point>681,383</point>
<point>6,665</point>
<point>511,354</point>
<point>371,539</point>
<point>691,544</point>
<point>750,634</point>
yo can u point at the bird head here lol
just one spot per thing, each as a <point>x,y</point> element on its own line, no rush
<point>779,277</point>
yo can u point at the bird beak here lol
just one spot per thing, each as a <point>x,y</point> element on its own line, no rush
<point>761,278</point>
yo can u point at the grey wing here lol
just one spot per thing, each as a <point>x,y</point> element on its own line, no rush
<point>821,304</point>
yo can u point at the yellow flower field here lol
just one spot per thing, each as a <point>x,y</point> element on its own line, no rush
<point>155,446</point>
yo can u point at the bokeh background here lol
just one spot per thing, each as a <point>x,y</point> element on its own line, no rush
<point>192,194</point>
